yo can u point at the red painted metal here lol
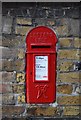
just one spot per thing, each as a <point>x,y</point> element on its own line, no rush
<point>41,65</point>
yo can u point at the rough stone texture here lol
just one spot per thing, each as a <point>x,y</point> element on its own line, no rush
<point>24,21</point>
<point>71,110</point>
<point>18,88</point>
<point>69,54</point>
<point>78,89</point>
<point>7,65</point>
<point>12,41</point>
<point>77,42</point>
<point>7,24</point>
<point>19,65</point>
<point>22,30</point>
<point>65,66</point>
<point>69,100</point>
<point>42,111</point>
<point>7,76</point>
<point>11,111</point>
<point>21,53</point>
<point>64,89</point>
<point>6,88</point>
<point>21,99</point>
<point>20,77</point>
<point>65,42</point>
<point>7,99</point>
<point>71,77</point>
<point>74,27</point>
<point>62,30</point>
<point>9,53</point>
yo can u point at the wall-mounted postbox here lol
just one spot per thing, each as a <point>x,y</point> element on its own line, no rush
<point>41,65</point>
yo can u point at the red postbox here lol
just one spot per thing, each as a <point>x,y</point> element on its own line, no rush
<point>41,65</point>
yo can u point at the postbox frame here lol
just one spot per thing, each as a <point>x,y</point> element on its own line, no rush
<point>30,98</point>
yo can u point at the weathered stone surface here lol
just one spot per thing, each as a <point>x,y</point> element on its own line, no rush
<point>62,30</point>
<point>7,24</point>
<point>74,27</point>
<point>7,99</point>
<point>7,65</point>
<point>11,111</point>
<point>20,77</point>
<point>19,65</point>
<point>21,99</point>
<point>6,88</point>
<point>12,41</point>
<point>71,77</point>
<point>69,54</point>
<point>18,88</point>
<point>77,42</point>
<point>22,30</point>
<point>64,89</point>
<point>69,100</point>
<point>65,42</point>
<point>72,111</point>
<point>42,111</point>
<point>7,76</point>
<point>24,21</point>
<point>65,66</point>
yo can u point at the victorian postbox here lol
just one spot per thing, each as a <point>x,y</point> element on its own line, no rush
<point>41,65</point>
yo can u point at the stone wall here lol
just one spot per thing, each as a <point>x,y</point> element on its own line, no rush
<point>17,20</point>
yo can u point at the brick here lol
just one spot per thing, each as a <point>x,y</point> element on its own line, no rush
<point>7,24</point>
<point>78,89</point>
<point>62,21</point>
<point>22,30</point>
<point>72,12</point>
<point>64,89</point>
<point>74,54</point>
<point>42,111</point>
<point>5,88</point>
<point>21,98</point>
<point>71,77</point>
<point>69,100</point>
<point>41,21</point>
<point>7,76</point>
<point>71,111</point>
<point>21,53</point>
<point>65,42</point>
<point>7,65</point>
<point>9,53</point>
<point>18,88</point>
<point>74,27</point>
<point>19,65</point>
<point>65,66</point>
<point>10,111</point>
<point>12,41</point>
<point>24,21</point>
<point>51,22</point>
<point>62,30</point>
<point>20,77</point>
<point>7,99</point>
<point>77,42</point>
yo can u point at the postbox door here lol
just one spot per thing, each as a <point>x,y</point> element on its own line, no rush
<point>41,78</point>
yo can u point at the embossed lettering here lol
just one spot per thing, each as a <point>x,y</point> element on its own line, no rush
<point>41,91</point>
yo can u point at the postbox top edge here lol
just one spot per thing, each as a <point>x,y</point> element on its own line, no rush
<point>45,28</point>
